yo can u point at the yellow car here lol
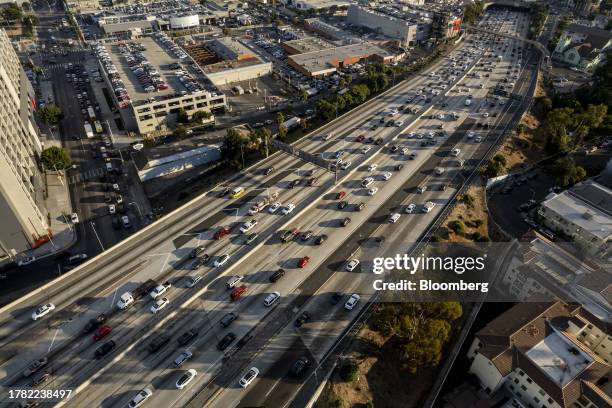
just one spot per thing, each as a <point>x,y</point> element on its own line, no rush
<point>237,192</point>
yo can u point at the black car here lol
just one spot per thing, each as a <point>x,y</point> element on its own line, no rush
<point>342,205</point>
<point>205,258</point>
<point>399,167</point>
<point>394,148</point>
<point>277,275</point>
<point>359,206</point>
<point>226,341</point>
<point>269,170</point>
<point>337,297</point>
<point>303,318</point>
<point>37,381</point>
<point>94,323</point>
<point>105,349</point>
<point>306,236</point>
<point>294,183</point>
<point>196,251</point>
<point>379,141</point>
<point>228,319</point>
<point>300,366</point>
<point>187,336</point>
<point>320,239</point>
<point>346,221</point>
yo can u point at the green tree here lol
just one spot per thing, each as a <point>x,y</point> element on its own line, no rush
<point>182,116</point>
<point>50,114</point>
<point>55,158</point>
<point>200,116</point>
<point>348,371</point>
<point>521,128</point>
<point>12,12</point>
<point>567,173</point>
<point>472,12</point>
<point>180,132</point>
<point>555,128</point>
<point>303,95</point>
<point>280,118</point>
<point>468,199</point>
<point>457,226</point>
<point>325,109</point>
<point>234,145</point>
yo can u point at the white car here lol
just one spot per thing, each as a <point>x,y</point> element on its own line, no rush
<point>485,115</point>
<point>470,134</point>
<point>410,208</point>
<point>373,191</point>
<point>386,176</point>
<point>247,226</point>
<point>249,377</point>
<point>222,260</point>
<point>288,209</point>
<point>352,301</point>
<point>186,378</point>
<point>394,217</point>
<point>367,181</point>
<point>275,206</point>
<point>478,139</point>
<point>428,206</point>
<point>399,123</point>
<point>42,311</point>
<point>140,398</point>
<point>372,167</point>
<point>159,305</point>
<point>455,152</point>
<point>26,261</point>
<point>271,299</point>
<point>366,149</point>
<point>439,171</point>
<point>345,165</point>
<point>111,209</point>
<point>74,218</point>
<point>405,151</point>
<point>160,290</point>
<point>352,264</point>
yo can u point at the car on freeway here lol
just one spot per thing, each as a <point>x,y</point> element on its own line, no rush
<point>228,319</point>
<point>251,238</point>
<point>140,398</point>
<point>398,167</point>
<point>394,217</point>
<point>35,366</point>
<point>42,311</point>
<point>188,336</point>
<point>186,378</point>
<point>367,181</point>
<point>345,165</point>
<point>373,191</point>
<point>366,149</point>
<point>112,209</point>
<point>340,195</point>
<point>196,251</point>
<point>94,323</point>
<point>298,368</point>
<point>428,206</point>
<point>312,181</point>
<point>470,134</point>
<point>372,167</point>
<point>159,305</point>
<point>352,301</point>
<point>303,318</point>
<point>233,281</point>
<point>268,170</point>
<point>197,263</point>
<point>271,299</point>
<point>342,204</point>
<point>104,349</point>
<point>181,358</point>
<point>386,176</point>
<point>345,221</point>
<point>237,293</point>
<point>193,280</point>
<point>273,207</point>
<point>289,235</point>
<point>247,226</point>
<point>288,209</point>
<point>44,377</point>
<point>26,261</point>
<point>439,171</point>
<point>321,239</point>
<point>410,208</point>
<point>306,235</point>
<point>222,260</point>
<point>249,377</point>
<point>226,341</point>
<point>303,262</point>
<point>295,183</point>
<point>102,332</point>
<point>360,138</point>
<point>477,139</point>
<point>277,275</point>
<point>223,231</point>
<point>160,290</point>
<point>352,264</point>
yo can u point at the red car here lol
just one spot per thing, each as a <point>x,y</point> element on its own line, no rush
<point>303,262</point>
<point>360,138</point>
<point>238,292</point>
<point>222,232</point>
<point>340,195</point>
<point>102,332</point>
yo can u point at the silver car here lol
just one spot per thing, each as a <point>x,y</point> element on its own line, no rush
<point>181,358</point>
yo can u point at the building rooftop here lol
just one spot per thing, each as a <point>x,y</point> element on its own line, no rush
<point>230,49</point>
<point>559,359</point>
<point>308,44</point>
<point>587,205</point>
<point>327,59</point>
<point>332,31</point>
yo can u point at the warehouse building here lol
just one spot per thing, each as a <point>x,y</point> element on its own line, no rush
<point>327,61</point>
<point>304,45</point>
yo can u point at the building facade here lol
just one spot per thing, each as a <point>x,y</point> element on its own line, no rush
<point>408,33</point>
<point>24,225</point>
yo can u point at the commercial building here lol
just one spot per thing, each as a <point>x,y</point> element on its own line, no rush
<point>24,223</point>
<point>227,60</point>
<point>331,32</point>
<point>315,4</point>
<point>408,32</point>
<point>307,44</point>
<point>549,355</point>
<point>327,61</point>
<point>583,214</point>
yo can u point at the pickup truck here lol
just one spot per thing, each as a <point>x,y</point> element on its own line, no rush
<point>128,298</point>
<point>289,235</point>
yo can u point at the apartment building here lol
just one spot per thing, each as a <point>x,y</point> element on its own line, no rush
<point>548,355</point>
<point>24,225</point>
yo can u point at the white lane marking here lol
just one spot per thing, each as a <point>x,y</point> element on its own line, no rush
<point>53,340</point>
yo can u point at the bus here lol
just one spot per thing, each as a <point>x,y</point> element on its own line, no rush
<point>98,126</point>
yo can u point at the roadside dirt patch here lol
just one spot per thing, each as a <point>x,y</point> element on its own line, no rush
<point>471,212</point>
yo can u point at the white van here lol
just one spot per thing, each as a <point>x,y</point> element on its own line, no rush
<point>125,300</point>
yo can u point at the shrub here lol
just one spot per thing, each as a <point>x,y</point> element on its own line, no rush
<point>457,226</point>
<point>348,371</point>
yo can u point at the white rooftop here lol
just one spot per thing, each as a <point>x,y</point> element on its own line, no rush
<point>559,358</point>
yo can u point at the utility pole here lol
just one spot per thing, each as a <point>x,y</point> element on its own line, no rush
<point>242,155</point>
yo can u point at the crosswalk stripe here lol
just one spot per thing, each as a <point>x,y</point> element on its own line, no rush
<point>89,174</point>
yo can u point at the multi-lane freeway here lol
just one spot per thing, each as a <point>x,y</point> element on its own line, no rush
<point>429,137</point>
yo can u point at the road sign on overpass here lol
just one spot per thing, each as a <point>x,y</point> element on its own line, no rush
<point>307,157</point>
